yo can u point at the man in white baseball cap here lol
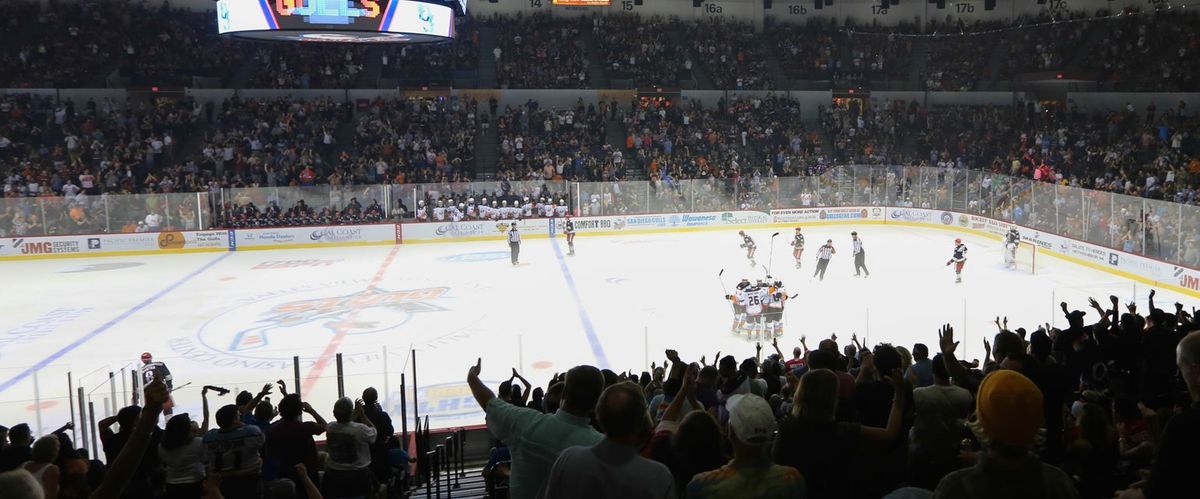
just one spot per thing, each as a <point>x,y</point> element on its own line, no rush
<point>751,473</point>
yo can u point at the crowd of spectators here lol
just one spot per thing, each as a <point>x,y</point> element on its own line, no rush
<point>309,66</point>
<point>414,141</point>
<point>1091,410</point>
<point>432,64</point>
<point>1045,47</point>
<point>248,449</point>
<point>539,51</point>
<point>732,55</point>
<point>807,52</point>
<point>568,143</point>
<point>1148,52</point>
<point>642,50</point>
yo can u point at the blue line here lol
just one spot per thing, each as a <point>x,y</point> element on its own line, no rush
<point>593,340</point>
<point>108,325</point>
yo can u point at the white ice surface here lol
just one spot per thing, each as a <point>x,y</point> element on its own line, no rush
<point>215,319</point>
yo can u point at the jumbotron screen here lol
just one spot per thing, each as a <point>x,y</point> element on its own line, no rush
<point>585,3</point>
<point>347,21</point>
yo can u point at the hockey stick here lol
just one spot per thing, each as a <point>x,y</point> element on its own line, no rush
<point>724,290</point>
<point>771,257</point>
<point>180,387</point>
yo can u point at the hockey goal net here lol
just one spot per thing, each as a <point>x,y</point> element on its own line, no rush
<point>1025,257</point>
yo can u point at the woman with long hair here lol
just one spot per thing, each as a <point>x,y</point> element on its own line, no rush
<point>182,454</point>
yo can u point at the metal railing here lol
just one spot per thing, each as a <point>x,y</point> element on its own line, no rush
<point>1155,228</point>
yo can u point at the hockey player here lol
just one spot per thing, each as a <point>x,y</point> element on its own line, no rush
<point>569,230</point>
<point>548,209</point>
<point>755,298</point>
<point>422,211</point>
<point>560,209</point>
<point>1012,241</point>
<point>527,208</point>
<point>439,212</point>
<point>149,370</point>
<point>739,310</point>
<point>774,314</point>
<point>748,243</point>
<point>959,258</point>
<point>456,212</point>
<point>797,246</point>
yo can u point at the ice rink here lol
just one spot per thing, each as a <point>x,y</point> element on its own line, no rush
<point>237,319</point>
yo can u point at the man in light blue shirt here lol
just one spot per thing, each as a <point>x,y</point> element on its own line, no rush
<point>535,439</point>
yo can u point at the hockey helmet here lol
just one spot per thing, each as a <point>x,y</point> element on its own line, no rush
<point>741,232</point>
<point>146,357</point>
<point>797,229</point>
<point>957,241</point>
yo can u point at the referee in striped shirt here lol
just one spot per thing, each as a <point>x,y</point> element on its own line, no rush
<point>824,253</point>
<point>860,257</point>
<point>514,243</point>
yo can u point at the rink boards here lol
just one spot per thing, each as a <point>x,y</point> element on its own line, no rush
<point>1143,269</point>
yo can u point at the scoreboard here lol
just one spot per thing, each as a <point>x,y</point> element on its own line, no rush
<point>349,21</point>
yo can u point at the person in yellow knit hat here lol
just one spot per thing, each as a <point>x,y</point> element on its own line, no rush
<point>1008,422</point>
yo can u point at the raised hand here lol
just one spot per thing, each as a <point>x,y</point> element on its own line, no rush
<point>156,394</point>
<point>474,371</point>
<point>946,339</point>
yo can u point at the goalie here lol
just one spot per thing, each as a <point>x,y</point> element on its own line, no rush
<point>1012,241</point>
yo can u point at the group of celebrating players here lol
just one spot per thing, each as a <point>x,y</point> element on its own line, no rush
<point>758,307</point>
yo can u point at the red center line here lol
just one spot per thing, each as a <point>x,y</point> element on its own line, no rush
<point>343,327</point>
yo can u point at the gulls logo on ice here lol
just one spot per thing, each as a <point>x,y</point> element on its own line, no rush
<point>99,267</point>
<point>298,323</point>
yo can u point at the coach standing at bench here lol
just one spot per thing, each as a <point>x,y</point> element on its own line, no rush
<point>514,243</point>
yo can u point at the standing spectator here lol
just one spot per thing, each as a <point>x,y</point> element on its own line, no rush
<point>182,455</point>
<point>381,464</point>
<point>290,440</point>
<point>18,450</point>
<point>348,441</point>
<point>1008,411</point>
<point>938,414</point>
<point>232,452</point>
<point>1176,462</point>
<point>920,373</point>
<point>751,473</point>
<point>612,469</point>
<point>45,451</point>
<point>19,484</point>
<point>536,439</point>
<point>113,442</point>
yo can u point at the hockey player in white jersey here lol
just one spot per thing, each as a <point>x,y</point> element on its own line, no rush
<point>456,212</point>
<point>774,309</point>
<point>548,209</point>
<point>439,212</point>
<point>755,299</point>
<point>472,213</point>
<point>739,310</point>
<point>1012,241</point>
<point>560,209</point>
<point>422,211</point>
<point>527,208</point>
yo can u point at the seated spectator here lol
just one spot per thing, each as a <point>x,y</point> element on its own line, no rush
<point>1008,412</point>
<point>751,472</point>
<point>536,439</point>
<point>612,469</point>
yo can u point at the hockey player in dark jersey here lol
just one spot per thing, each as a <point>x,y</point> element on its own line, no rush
<point>150,370</point>
<point>959,259</point>
<point>797,246</point>
<point>748,243</point>
<point>569,230</point>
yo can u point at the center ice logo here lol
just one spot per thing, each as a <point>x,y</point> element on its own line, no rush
<point>368,311</point>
